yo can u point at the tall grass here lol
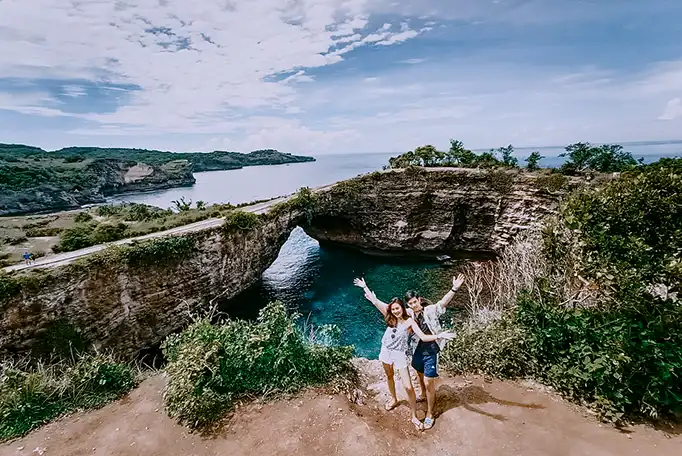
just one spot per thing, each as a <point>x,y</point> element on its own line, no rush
<point>211,366</point>
<point>32,394</point>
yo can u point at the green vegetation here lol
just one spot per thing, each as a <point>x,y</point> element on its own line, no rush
<point>31,395</point>
<point>32,179</point>
<point>596,310</point>
<point>210,367</point>
<point>457,155</point>
<point>533,161</point>
<point>241,221</point>
<point>608,158</point>
<point>582,157</point>
<point>552,183</point>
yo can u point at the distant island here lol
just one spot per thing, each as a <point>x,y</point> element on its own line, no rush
<point>33,179</point>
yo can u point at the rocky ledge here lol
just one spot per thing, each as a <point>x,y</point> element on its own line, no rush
<point>435,211</point>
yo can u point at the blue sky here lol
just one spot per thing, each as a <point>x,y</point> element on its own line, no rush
<point>330,76</point>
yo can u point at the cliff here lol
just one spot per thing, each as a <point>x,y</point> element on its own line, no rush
<point>129,300</point>
<point>49,184</point>
<point>434,211</point>
<point>33,180</point>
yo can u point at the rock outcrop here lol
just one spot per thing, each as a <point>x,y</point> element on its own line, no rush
<point>131,308</point>
<point>433,211</point>
<point>127,308</point>
<point>90,183</point>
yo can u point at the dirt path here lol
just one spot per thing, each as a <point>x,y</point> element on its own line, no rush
<point>67,257</point>
<point>474,418</point>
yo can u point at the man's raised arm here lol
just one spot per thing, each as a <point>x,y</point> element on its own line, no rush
<point>371,297</point>
<point>445,300</point>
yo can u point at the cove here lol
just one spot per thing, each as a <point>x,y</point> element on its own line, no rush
<point>317,282</point>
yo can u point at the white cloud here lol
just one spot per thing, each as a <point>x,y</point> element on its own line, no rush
<point>74,91</point>
<point>413,61</point>
<point>673,110</point>
<point>30,103</point>
<point>196,67</point>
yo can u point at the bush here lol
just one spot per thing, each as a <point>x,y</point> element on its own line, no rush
<point>241,221</point>
<point>31,395</point>
<point>41,232</point>
<point>75,238</point>
<point>212,366</point>
<point>109,210</point>
<point>602,322</point>
<point>552,183</point>
<point>499,350</point>
<point>83,217</point>
<point>108,232</point>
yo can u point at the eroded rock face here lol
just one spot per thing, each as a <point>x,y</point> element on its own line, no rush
<point>432,211</point>
<point>129,309</point>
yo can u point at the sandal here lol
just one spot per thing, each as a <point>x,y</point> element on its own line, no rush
<point>418,424</point>
<point>428,423</point>
<point>390,406</point>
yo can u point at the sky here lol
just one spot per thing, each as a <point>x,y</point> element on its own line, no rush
<point>338,76</point>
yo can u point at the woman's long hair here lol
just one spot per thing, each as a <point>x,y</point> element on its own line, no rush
<point>391,319</point>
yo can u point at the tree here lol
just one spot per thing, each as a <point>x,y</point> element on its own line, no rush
<point>428,155</point>
<point>607,158</point>
<point>181,205</point>
<point>508,158</point>
<point>201,205</point>
<point>458,155</point>
<point>533,160</point>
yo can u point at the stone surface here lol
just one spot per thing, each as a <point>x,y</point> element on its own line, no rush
<point>131,309</point>
<point>432,211</point>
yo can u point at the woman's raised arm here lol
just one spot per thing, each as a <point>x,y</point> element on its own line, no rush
<point>371,297</point>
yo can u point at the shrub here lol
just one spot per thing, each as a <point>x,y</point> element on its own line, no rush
<point>75,238</point>
<point>157,251</point>
<point>500,181</point>
<point>499,349</point>
<point>108,210</point>
<point>83,217</point>
<point>602,320</point>
<point>552,183</point>
<point>41,232</point>
<point>108,232</point>
<point>212,366</point>
<point>31,395</point>
<point>241,221</point>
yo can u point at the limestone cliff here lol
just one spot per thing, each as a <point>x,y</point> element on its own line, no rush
<point>32,188</point>
<point>130,307</point>
<point>435,211</point>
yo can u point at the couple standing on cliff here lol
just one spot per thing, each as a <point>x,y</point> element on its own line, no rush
<point>421,318</point>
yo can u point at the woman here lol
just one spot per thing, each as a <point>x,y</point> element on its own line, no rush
<point>394,345</point>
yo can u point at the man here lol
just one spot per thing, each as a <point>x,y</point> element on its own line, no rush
<point>425,357</point>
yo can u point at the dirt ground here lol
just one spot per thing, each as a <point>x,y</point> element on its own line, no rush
<point>473,418</point>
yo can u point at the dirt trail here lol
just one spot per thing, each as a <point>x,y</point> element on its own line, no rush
<point>474,418</point>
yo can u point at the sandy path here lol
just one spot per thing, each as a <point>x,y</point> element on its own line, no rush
<point>475,418</point>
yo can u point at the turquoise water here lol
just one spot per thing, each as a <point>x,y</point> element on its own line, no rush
<point>318,283</point>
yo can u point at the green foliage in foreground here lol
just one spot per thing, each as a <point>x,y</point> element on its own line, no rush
<point>622,353</point>
<point>33,395</point>
<point>212,366</point>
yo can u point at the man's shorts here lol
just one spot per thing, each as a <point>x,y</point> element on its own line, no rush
<point>425,361</point>
<point>397,358</point>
